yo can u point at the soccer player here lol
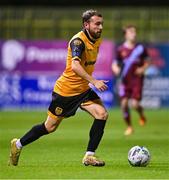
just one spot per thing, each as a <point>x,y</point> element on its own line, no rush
<point>72,90</point>
<point>131,62</point>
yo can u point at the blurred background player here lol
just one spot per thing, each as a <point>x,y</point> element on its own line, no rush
<point>72,90</point>
<point>131,62</point>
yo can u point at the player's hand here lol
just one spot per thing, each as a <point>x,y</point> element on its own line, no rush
<point>116,69</point>
<point>100,85</point>
<point>139,71</point>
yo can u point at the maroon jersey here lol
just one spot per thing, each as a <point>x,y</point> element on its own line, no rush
<point>130,60</point>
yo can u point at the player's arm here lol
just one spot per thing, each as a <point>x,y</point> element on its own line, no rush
<point>141,70</point>
<point>117,64</point>
<point>116,68</point>
<point>146,64</point>
<point>78,69</point>
<point>77,47</point>
<point>147,61</point>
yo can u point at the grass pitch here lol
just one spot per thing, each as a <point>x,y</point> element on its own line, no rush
<point>59,155</point>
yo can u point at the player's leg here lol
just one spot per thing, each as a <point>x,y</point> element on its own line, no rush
<point>33,134</point>
<point>136,98</point>
<point>136,105</point>
<point>126,115</point>
<point>100,115</point>
<point>124,94</point>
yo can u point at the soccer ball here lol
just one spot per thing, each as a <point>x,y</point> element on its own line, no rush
<point>138,156</point>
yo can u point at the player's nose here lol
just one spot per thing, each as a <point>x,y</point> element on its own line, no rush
<point>100,26</point>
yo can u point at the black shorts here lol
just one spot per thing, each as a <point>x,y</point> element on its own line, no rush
<point>67,106</point>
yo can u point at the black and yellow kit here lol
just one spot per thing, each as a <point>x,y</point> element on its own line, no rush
<point>81,48</point>
<point>71,90</point>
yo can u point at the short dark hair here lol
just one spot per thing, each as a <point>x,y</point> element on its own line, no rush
<point>88,14</point>
<point>125,28</point>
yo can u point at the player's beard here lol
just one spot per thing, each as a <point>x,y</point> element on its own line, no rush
<point>95,35</point>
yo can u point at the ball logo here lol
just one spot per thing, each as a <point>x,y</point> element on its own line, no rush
<point>12,54</point>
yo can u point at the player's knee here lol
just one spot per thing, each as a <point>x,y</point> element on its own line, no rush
<point>52,124</point>
<point>134,104</point>
<point>103,114</point>
<point>106,115</point>
<point>124,103</point>
<point>51,129</point>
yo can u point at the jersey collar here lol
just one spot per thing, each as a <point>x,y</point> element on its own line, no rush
<point>88,36</point>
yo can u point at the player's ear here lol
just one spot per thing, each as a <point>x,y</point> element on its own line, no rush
<point>86,24</point>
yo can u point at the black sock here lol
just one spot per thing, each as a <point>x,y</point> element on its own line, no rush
<point>96,133</point>
<point>32,135</point>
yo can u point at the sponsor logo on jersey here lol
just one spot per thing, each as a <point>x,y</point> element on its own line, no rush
<point>87,63</point>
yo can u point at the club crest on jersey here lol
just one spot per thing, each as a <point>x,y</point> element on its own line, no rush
<point>58,110</point>
<point>77,42</point>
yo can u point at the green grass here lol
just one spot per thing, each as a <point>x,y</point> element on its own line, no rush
<point>58,155</point>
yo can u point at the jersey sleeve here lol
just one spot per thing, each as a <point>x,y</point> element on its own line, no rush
<point>118,59</point>
<point>145,55</point>
<point>77,47</point>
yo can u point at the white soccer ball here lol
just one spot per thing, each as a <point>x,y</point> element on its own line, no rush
<point>139,156</point>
